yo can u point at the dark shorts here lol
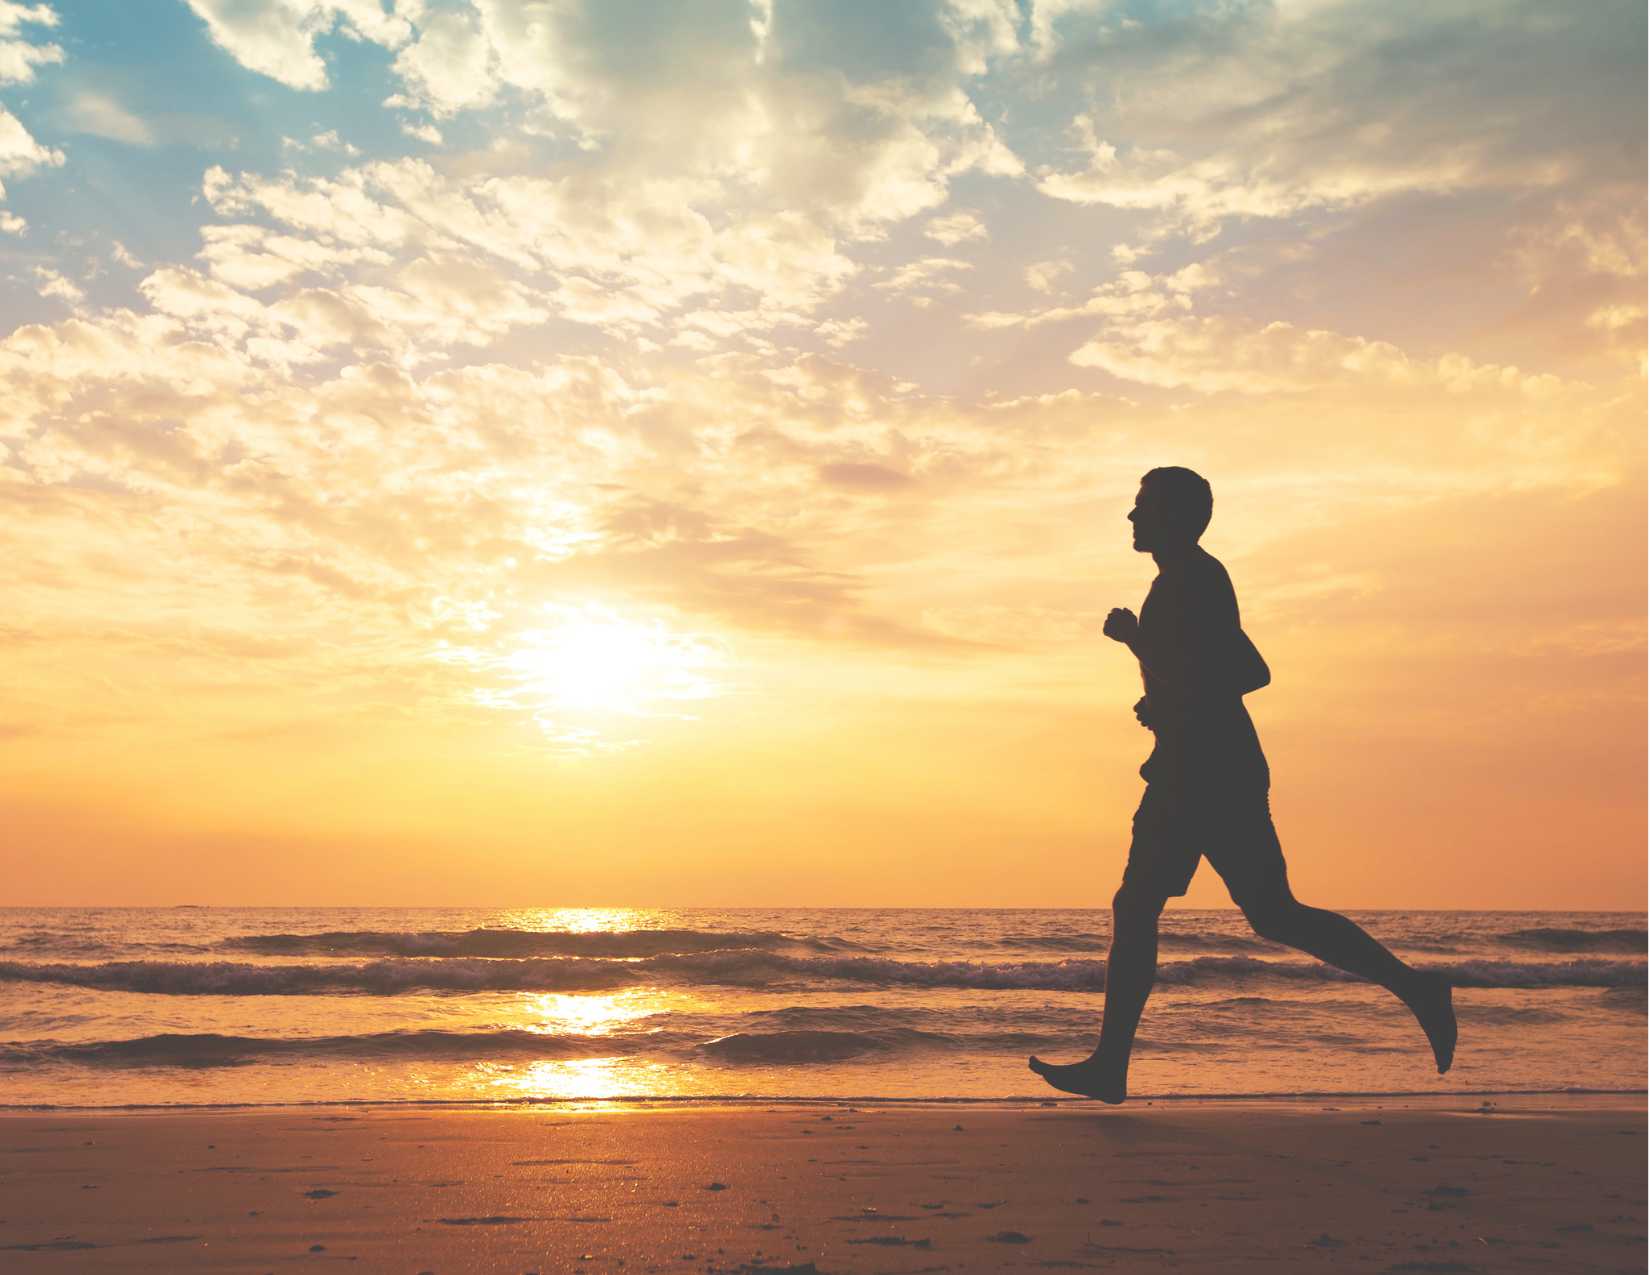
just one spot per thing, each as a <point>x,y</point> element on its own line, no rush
<point>1230,825</point>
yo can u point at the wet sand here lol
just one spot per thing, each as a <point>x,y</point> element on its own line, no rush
<point>1387,1185</point>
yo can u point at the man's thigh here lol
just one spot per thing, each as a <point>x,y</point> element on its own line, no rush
<point>1164,849</point>
<point>1242,844</point>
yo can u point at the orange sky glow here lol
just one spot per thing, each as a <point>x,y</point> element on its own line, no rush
<point>503,453</point>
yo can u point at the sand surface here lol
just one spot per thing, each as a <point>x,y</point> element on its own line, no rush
<point>1424,1185</point>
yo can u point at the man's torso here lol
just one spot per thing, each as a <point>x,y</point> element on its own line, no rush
<point>1205,742</point>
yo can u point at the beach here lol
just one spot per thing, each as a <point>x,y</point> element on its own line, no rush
<point>1425,1184</point>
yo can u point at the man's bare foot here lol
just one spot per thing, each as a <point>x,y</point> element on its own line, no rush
<point>1088,1078</point>
<point>1432,1004</point>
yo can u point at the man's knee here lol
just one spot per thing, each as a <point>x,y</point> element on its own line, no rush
<point>1271,915</point>
<point>1135,908</point>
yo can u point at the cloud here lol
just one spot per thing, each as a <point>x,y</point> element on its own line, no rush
<point>1584,268</point>
<point>1198,195</point>
<point>88,111</point>
<point>729,161</point>
<point>53,284</point>
<point>1133,293</point>
<point>256,257</point>
<point>328,140</point>
<point>789,108</point>
<point>1211,354</point>
<point>1273,111</point>
<point>955,228</point>
<point>20,154</point>
<point>20,57</point>
<point>864,477</point>
<point>277,38</point>
<point>925,275</point>
<point>621,254</point>
<point>451,65</point>
<point>740,576</point>
<point>422,132</point>
<point>1041,276</point>
<point>839,332</point>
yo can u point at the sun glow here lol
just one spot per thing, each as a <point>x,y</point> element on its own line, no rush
<point>590,659</point>
<point>587,667</point>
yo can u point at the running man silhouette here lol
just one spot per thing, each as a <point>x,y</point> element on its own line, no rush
<point>1206,793</point>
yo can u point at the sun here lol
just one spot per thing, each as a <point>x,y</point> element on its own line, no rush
<point>589,659</point>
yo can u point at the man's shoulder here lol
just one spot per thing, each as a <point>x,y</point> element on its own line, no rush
<point>1206,582</point>
<point>1206,562</point>
<point>1205,571</point>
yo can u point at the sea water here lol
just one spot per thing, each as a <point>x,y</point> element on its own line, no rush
<point>118,1006</point>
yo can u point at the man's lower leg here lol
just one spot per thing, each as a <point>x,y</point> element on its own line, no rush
<point>1345,944</point>
<point>1334,939</point>
<point>1131,968</point>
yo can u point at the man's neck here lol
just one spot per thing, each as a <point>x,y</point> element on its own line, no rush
<point>1174,556</point>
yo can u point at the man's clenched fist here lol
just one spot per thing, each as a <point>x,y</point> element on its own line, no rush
<point>1121,626</point>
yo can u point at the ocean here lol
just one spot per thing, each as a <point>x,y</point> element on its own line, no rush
<point>109,1007</point>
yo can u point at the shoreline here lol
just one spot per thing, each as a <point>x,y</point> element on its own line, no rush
<point>644,1102</point>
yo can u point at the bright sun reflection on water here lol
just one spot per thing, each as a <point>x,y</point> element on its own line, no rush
<point>555,1013</point>
<point>581,920</point>
<point>576,1078</point>
<point>564,1020</point>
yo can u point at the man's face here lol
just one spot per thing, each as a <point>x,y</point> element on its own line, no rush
<point>1147,516</point>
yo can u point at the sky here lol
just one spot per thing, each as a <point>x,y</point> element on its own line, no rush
<point>616,453</point>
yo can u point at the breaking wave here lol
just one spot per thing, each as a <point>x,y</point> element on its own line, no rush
<point>749,969</point>
<point>1168,940</point>
<point>210,1049</point>
<point>1562,939</point>
<point>377,978</point>
<point>772,1048</point>
<point>818,1046</point>
<point>505,942</point>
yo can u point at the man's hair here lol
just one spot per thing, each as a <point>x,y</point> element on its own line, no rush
<point>1186,497</point>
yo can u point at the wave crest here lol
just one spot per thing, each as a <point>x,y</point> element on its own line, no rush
<point>506,942</point>
<point>816,1046</point>
<point>1563,939</point>
<point>748,969</point>
<point>211,1049</point>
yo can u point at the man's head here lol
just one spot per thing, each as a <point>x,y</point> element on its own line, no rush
<point>1171,510</point>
